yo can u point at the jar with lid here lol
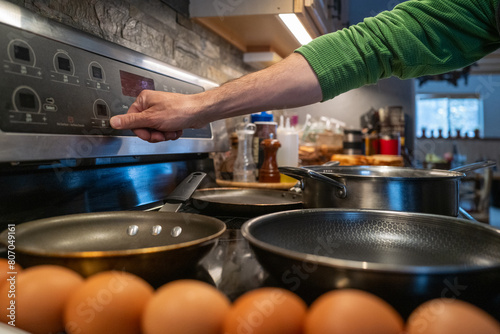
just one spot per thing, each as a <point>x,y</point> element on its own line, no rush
<point>265,127</point>
<point>353,142</point>
<point>372,144</point>
<point>390,144</point>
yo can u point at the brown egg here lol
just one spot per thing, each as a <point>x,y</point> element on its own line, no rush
<point>450,316</point>
<point>185,306</point>
<point>351,311</point>
<point>266,311</point>
<point>39,294</point>
<point>107,302</point>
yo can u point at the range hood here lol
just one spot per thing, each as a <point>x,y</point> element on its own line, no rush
<point>255,26</point>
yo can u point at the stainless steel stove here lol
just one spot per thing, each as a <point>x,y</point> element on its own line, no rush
<point>58,153</point>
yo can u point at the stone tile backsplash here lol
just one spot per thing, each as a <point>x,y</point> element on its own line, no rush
<point>152,28</point>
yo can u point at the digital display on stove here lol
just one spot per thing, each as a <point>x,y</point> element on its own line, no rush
<point>96,72</point>
<point>64,64</point>
<point>133,84</point>
<point>27,101</point>
<point>22,53</point>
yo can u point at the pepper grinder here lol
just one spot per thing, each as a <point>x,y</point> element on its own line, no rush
<point>269,172</point>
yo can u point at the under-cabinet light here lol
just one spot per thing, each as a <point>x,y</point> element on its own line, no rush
<point>293,24</point>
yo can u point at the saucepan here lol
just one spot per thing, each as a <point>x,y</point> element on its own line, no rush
<point>383,187</point>
<point>405,258</point>
<point>157,246</point>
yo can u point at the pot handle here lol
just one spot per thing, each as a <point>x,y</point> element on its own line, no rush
<point>183,192</point>
<point>465,214</point>
<point>303,173</point>
<point>474,166</point>
<point>321,167</point>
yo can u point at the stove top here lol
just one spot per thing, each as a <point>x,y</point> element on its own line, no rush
<point>231,266</point>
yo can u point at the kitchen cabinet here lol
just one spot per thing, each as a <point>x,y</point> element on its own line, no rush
<point>255,28</point>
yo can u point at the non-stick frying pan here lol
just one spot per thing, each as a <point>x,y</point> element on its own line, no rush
<point>247,202</point>
<point>405,258</point>
<point>157,246</point>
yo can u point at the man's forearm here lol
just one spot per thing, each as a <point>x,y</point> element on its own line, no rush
<point>157,116</point>
<point>287,84</point>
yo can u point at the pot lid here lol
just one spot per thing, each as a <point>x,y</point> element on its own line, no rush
<point>386,172</point>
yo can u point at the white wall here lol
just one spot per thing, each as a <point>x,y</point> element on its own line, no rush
<point>349,106</point>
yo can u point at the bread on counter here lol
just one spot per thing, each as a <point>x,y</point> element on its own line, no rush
<point>310,155</point>
<point>350,159</point>
<point>368,160</point>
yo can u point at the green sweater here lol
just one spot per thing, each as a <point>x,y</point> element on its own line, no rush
<point>418,37</point>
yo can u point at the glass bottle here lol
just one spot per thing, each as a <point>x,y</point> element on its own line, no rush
<point>244,169</point>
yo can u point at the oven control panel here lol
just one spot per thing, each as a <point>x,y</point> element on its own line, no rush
<point>49,87</point>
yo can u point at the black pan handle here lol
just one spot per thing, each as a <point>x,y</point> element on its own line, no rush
<point>183,192</point>
<point>303,173</point>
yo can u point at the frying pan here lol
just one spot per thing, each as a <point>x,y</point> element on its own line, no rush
<point>247,202</point>
<point>405,258</point>
<point>157,246</point>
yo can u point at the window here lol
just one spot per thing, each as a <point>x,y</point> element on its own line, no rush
<point>449,114</point>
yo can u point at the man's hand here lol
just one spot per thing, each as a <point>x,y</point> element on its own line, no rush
<point>158,116</point>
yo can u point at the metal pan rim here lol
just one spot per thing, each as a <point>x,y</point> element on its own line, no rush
<point>363,265</point>
<point>119,252</point>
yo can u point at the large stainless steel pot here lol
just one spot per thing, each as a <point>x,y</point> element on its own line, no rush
<point>405,258</point>
<point>382,187</point>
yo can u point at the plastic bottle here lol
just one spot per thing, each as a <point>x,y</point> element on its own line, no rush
<point>281,128</point>
<point>244,169</point>
<point>288,154</point>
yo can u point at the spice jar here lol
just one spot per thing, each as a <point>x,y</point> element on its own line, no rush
<point>390,144</point>
<point>372,144</point>
<point>353,142</point>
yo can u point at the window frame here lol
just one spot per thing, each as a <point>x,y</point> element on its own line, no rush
<point>450,96</point>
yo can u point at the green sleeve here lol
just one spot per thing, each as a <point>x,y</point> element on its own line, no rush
<point>498,16</point>
<point>418,37</point>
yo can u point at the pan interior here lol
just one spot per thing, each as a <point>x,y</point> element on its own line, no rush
<point>380,239</point>
<point>102,232</point>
